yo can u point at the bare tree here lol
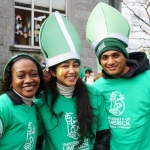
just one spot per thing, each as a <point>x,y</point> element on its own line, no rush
<point>137,12</point>
<point>141,14</point>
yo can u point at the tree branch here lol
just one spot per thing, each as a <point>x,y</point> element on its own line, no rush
<point>136,14</point>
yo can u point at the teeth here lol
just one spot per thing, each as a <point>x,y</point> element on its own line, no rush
<point>29,88</point>
<point>70,77</point>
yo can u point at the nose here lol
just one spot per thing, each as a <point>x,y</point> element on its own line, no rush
<point>71,69</point>
<point>110,60</point>
<point>28,78</point>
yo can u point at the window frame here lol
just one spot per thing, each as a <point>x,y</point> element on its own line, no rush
<point>31,47</point>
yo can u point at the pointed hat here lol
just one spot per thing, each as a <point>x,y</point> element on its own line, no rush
<point>106,22</point>
<point>59,40</point>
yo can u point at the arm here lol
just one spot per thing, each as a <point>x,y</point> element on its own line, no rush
<point>39,142</point>
<point>102,141</point>
<point>41,130</point>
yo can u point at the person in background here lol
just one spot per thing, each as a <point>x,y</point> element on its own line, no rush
<point>71,115</point>
<point>99,75</point>
<point>89,75</point>
<point>46,73</point>
<point>23,81</point>
<point>125,83</point>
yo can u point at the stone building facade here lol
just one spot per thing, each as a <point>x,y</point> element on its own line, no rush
<point>77,12</point>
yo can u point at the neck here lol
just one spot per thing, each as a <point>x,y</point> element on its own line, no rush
<point>25,99</point>
<point>65,91</point>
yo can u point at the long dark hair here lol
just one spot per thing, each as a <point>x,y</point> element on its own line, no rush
<point>84,114</point>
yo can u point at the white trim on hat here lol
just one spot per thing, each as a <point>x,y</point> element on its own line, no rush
<point>62,57</point>
<point>111,35</point>
<point>65,32</point>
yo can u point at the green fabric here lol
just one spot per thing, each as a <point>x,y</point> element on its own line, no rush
<point>106,22</point>
<point>111,44</point>
<point>18,125</point>
<point>81,73</point>
<point>65,134</point>
<point>53,43</point>
<point>128,105</point>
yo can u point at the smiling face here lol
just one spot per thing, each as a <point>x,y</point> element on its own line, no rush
<point>114,63</point>
<point>25,79</point>
<point>67,73</point>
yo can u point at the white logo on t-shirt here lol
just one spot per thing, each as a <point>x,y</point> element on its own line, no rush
<point>72,126</point>
<point>117,105</point>
<point>1,128</point>
<point>30,136</point>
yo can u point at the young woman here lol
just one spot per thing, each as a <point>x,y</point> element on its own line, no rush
<point>71,114</point>
<point>23,79</point>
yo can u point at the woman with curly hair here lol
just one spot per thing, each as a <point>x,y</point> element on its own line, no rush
<point>71,114</point>
<point>23,81</point>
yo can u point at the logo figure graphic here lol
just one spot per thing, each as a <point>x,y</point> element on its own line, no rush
<point>30,136</point>
<point>117,105</point>
<point>72,126</point>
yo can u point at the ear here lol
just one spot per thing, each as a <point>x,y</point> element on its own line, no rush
<point>52,72</point>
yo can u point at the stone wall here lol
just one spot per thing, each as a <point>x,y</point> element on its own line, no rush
<point>6,31</point>
<point>78,13</point>
<point>139,39</point>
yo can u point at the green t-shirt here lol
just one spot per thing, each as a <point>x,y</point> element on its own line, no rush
<point>18,126</point>
<point>64,134</point>
<point>128,105</point>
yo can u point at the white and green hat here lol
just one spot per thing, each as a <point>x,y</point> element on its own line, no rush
<point>105,27</point>
<point>59,40</point>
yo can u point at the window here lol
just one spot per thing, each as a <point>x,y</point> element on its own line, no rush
<point>29,16</point>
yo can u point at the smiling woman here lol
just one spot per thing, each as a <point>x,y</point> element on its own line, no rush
<point>71,114</point>
<point>23,80</point>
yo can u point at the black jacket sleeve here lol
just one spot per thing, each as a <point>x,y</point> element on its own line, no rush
<point>39,142</point>
<point>102,141</point>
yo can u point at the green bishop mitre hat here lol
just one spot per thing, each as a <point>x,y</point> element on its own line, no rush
<point>106,22</point>
<point>59,40</point>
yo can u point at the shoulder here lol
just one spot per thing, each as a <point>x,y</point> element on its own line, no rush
<point>94,94</point>
<point>42,100</point>
<point>5,112</point>
<point>147,73</point>
<point>5,100</point>
<point>93,90</point>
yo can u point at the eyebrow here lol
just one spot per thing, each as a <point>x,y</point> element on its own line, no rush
<point>110,54</point>
<point>67,61</point>
<point>24,70</point>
